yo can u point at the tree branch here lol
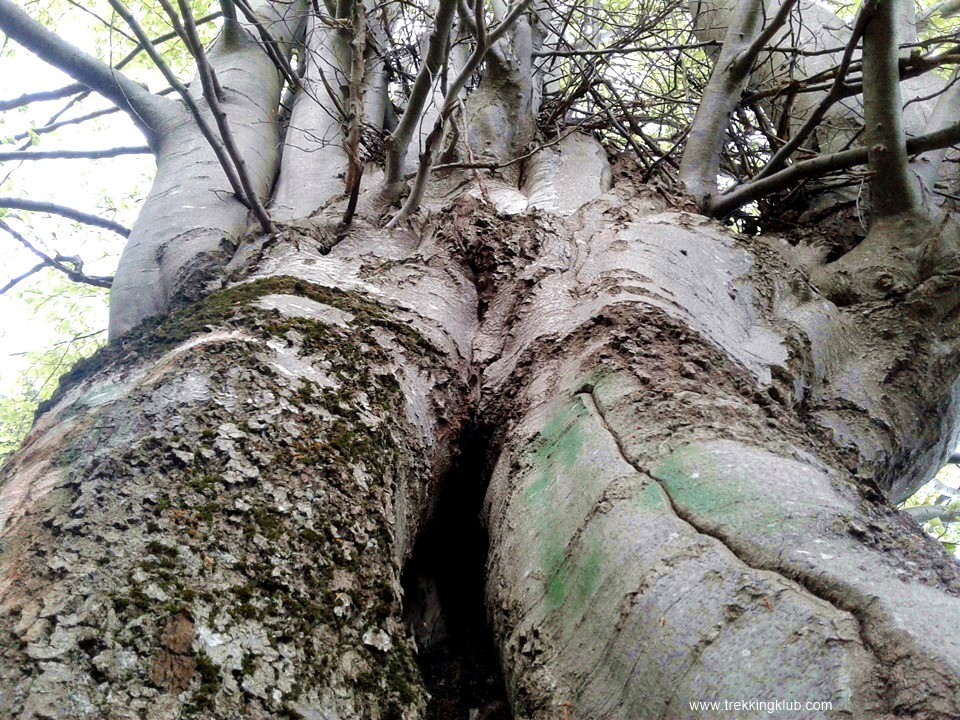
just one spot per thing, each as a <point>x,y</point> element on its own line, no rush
<point>64,211</point>
<point>75,88</point>
<point>270,45</point>
<point>212,93</point>
<point>835,93</point>
<point>23,276</point>
<point>821,165</point>
<point>145,108</point>
<point>926,513</point>
<point>185,95</point>
<point>19,155</point>
<point>485,41</point>
<point>229,10</point>
<point>893,189</point>
<point>358,45</point>
<point>399,140</point>
<point>56,263</point>
<point>700,163</point>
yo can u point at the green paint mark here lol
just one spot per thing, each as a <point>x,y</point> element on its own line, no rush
<point>651,498</point>
<point>587,579</point>
<point>573,588</point>
<point>570,581</point>
<point>559,446</point>
<point>693,480</point>
<point>697,484</point>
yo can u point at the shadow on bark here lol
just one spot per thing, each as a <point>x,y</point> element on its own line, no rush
<point>444,596</point>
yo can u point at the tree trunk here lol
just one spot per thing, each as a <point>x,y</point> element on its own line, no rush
<point>690,452</point>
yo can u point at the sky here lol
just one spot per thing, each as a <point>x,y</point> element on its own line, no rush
<point>111,188</point>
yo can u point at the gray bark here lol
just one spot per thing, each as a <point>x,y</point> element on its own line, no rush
<point>190,221</point>
<point>662,531</point>
<point>314,160</point>
<point>696,441</point>
<point>213,524</point>
<point>692,451</point>
<point>822,36</point>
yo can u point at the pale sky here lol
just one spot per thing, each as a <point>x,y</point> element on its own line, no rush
<point>82,184</point>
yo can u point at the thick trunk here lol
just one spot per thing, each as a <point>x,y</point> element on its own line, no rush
<point>191,220</point>
<point>685,506</point>
<point>690,450</point>
<point>213,522</point>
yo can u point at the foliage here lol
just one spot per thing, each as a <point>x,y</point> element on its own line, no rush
<point>937,494</point>
<point>71,318</point>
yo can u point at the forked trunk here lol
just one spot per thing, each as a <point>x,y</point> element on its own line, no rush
<point>689,452</point>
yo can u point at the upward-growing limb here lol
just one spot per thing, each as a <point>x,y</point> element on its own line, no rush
<point>893,189</point>
<point>744,39</point>
<point>400,139</point>
<point>191,219</point>
<point>485,42</point>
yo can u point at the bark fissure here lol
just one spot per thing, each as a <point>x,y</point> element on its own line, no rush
<point>444,595</point>
<point>748,559</point>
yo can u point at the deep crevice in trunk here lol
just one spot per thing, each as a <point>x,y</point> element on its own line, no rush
<point>444,595</point>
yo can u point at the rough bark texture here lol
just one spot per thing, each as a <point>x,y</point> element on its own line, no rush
<point>686,505</point>
<point>692,449</point>
<point>213,522</point>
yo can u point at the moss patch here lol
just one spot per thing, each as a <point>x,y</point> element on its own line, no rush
<point>227,308</point>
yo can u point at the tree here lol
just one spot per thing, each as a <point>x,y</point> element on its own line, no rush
<point>387,278</point>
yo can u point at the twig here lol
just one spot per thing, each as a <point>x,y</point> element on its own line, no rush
<point>56,263</point>
<point>19,155</point>
<point>20,278</point>
<point>64,211</point>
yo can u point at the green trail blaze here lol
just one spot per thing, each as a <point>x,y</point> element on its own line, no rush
<point>558,451</point>
<point>691,479</point>
<point>700,483</point>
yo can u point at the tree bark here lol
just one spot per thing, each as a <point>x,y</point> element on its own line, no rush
<point>692,452</point>
<point>211,518</point>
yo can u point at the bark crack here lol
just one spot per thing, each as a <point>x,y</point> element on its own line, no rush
<point>586,393</point>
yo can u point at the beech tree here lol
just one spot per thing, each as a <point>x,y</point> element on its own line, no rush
<point>554,359</point>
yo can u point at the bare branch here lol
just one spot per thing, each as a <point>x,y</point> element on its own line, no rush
<point>270,45</point>
<point>399,140</point>
<point>229,10</point>
<point>700,163</point>
<point>212,93</point>
<point>64,211</point>
<point>42,96</point>
<point>926,513</point>
<point>835,93</point>
<point>23,276</point>
<point>485,41</point>
<point>57,263</point>
<point>893,189</point>
<point>73,154</point>
<point>355,119</point>
<point>822,165</point>
<point>75,88</point>
<point>145,108</point>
